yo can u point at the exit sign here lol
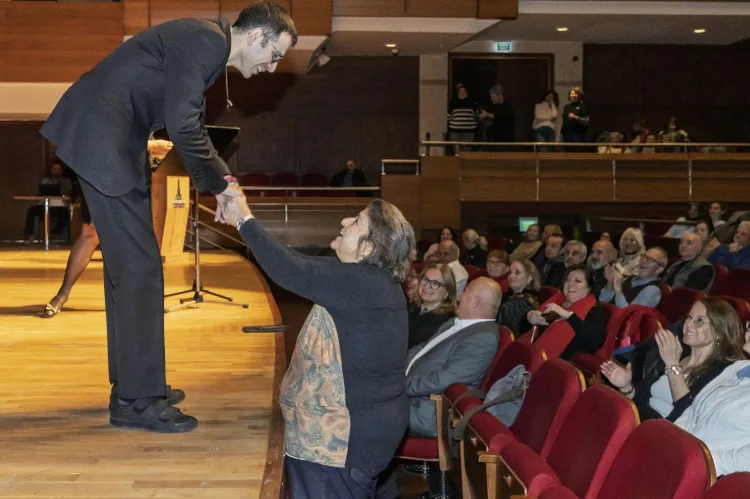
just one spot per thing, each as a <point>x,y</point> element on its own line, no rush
<point>503,47</point>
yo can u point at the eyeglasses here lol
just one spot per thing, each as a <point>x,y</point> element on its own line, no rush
<point>275,54</point>
<point>698,320</point>
<point>434,285</point>
<point>651,260</point>
<point>495,262</point>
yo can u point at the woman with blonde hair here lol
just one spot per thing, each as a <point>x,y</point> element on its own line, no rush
<point>434,303</point>
<point>524,282</point>
<point>631,247</point>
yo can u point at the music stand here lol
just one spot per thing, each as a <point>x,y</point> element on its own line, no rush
<point>220,137</point>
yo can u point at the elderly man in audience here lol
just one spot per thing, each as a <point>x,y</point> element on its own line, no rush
<point>736,254</point>
<point>575,253</point>
<point>719,416</point>
<point>549,230</point>
<point>641,289</point>
<point>692,271</point>
<point>553,271</point>
<point>603,253</point>
<point>448,253</point>
<point>476,249</point>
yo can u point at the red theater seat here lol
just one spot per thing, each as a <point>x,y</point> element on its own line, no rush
<point>721,280</point>
<point>551,295</point>
<point>734,486</point>
<point>676,304</point>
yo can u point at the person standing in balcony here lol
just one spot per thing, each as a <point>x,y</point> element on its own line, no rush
<point>462,118</point>
<point>575,119</point>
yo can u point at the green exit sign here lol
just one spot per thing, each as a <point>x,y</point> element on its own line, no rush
<point>504,47</point>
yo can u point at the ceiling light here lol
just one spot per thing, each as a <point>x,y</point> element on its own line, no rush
<point>562,29</point>
<point>390,45</point>
<point>699,31</point>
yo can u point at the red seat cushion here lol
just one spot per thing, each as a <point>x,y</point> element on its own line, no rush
<point>532,471</point>
<point>418,448</point>
<point>733,486</point>
<point>558,492</point>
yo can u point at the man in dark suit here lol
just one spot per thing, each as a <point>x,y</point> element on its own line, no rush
<point>155,80</point>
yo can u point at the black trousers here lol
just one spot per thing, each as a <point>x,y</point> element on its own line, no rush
<point>306,480</point>
<point>133,289</point>
<point>58,219</point>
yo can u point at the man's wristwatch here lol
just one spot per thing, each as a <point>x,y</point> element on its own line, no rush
<point>243,220</point>
<point>673,370</point>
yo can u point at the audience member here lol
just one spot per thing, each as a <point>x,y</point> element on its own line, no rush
<point>524,282</point>
<point>580,311</point>
<point>693,215</point>
<point>663,378</point>
<point>575,253</point>
<point>631,248</point>
<point>446,234</point>
<point>460,352</point>
<point>605,237</point>
<point>434,304</point>
<point>553,271</point>
<point>603,253</point>
<point>575,119</point>
<point>709,243</point>
<point>411,284</point>
<point>608,148</point>
<point>500,113</point>
<point>692,270</point>
<point>530,246</point>
<point>498,266</point>
<point>545,120</point>
<point>448,253</point>
<point>638,136</point>
<point>59,212</point>
<point>715,213</point>
<point>550,229</point>
<point>350,176</point>
<point>476,249</point>
<point>720,419</point>
<point>737,253</point>
<point>673,134</point>
<point>462,118</point>
<point>650,148</point>
<point>641,289</point>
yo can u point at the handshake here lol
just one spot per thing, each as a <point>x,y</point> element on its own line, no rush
<point>231,205</point>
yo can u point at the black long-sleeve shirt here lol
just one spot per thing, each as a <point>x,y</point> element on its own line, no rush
<point>590,332</point>
<point>343,395</point>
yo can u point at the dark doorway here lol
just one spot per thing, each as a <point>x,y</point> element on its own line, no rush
<point>524,78</point>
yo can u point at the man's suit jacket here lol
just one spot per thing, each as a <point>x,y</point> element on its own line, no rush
<point>155,80</point>
<point>462,358</point>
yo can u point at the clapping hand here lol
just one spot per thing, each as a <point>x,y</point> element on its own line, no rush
<point>617,279</point>
<point>557,309</point>
<point>620,377</point>
<point>670,348</point>
<point>222,200</point>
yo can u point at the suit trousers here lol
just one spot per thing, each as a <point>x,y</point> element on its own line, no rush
<point>133,289</point>
<point>306,480</point>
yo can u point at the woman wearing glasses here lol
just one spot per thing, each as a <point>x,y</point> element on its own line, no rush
<point>434,304</point>
<point>664,377</point>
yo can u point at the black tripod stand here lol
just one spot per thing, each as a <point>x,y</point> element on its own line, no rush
<point>197,290</point>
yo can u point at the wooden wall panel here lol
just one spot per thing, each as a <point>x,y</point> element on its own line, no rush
<point>368,8</point>
<point>404,192</point>
<point>312,17</point>
<point>441,8</point>
<point>166,10</point>
<point>511,179</point>
<point>58,41</point>
<point>440,192</point>
<point>230,9</point>
<point>135,16</point>
<point>3,39</point>
<point>497,9</point>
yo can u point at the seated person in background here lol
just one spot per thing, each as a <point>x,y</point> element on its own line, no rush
<point>498,266</point>
<point>459,352</point>
<point>530,246</point>
<point>349,177</point>
<point>476,249</point>
<point>709,243</point>
<point>641,289</point>
<point>411,284</point>
<point>434,304</point>
<point>448,254</point>
<point>631,248</point>
<point>549,230</point>
<point>59,211</point>
<point>553,271</point>
<point>692,271</point>
<point>575,253</point>
<point>605,237</point>
<point>715,213</point>
<point>663,378</point>
<point>581,312</point>
<point>736,254</point>
<point>614,146</point>
<point>720,419</point>
<point>693,215</point>
<point>603,253</point>
<point>446,234</point>
<point>524,282</point>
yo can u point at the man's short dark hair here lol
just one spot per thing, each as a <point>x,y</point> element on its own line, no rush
<point>272,18</point>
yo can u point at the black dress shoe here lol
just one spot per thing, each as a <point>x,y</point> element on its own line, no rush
<point>150,414</point>
<point>174,395</point>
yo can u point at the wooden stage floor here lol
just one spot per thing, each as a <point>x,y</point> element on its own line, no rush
<point>55,441</point>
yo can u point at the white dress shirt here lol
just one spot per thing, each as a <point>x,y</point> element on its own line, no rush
<point>437,339</point>
<point>461,275</point>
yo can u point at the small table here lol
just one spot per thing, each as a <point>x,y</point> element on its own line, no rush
<point>46,200</point>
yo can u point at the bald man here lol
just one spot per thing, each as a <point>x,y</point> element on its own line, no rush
<point>692,270</point>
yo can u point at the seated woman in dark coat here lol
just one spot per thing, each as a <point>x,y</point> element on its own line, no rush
<point>579,313</point>
<point>524,282</point>
<point>434,304</point>
<point>664,377</point>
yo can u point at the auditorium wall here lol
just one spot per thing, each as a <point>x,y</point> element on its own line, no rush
<point>705,87</point>
<point>361,108</point>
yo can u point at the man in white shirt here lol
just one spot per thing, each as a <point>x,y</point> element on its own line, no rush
<point>459,352</point>
<point>448,252</point>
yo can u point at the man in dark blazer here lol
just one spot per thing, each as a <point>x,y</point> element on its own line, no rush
<point>155,80</point>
